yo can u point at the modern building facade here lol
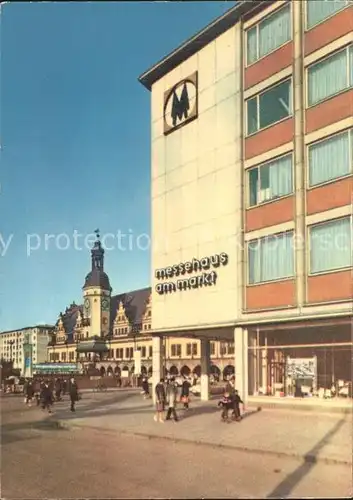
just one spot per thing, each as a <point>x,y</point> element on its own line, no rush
<point>25,347</point>
<point>252,162</point>
<point>106,330</point>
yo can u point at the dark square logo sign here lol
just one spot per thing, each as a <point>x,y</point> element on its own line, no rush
<point>180,104</point>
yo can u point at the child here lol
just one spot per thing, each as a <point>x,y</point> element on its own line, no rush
<point>226,404</point>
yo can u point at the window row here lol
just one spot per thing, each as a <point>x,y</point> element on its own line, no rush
<point>121,331</point>
<point>276,29</point>
<point>192,349</point>
<point>330,249</point>
<point>328,159</point>
<point>325,78</point>
<point>64,356</point>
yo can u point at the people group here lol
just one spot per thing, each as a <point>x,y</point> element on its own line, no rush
<point>230,401</point>
<point>46,392</point>
<point>167,398</point>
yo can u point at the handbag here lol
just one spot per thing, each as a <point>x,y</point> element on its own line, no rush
<point>160,406</point>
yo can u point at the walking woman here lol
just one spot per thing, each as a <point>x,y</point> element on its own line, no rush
<point>160,401</point>
<point>185,393</point>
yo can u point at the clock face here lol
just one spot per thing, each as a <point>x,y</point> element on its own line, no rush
<point>105,321</point>
<point>87,304</point>
<point>105,304</point>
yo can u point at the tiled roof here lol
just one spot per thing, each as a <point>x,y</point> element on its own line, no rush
<point>134,303</point>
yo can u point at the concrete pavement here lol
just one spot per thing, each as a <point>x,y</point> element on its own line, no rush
<point>41,461</point>
<point>304,435</point>
<point>86,463</point>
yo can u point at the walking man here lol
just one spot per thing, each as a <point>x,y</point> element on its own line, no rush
<point>145,388</point>
<point>29,393</point>
<point>46,397</point>
<point>172,393</point>
<point>58,389</point>
<point>73,394</point>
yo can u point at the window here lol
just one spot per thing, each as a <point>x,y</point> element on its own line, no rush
<point>188,349</point>
<point>212,348</point>
<point>131,352</point>
<point>331,245</point>
<point>127,352</point>
<point>150,351</point>
<point>173,350</point>
<point>143,352</point>
<point>319,11</point>
<point>331,158</point>
<point>330,76</point>
<point>222,349</point>
<point>269,107</point>
<point>194,349</point>
<point>268,34</point>
<point>271,258</point>
<point>231,348</point>
<point>271,180</point>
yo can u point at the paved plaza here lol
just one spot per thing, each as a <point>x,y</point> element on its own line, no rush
<point>307,435</point>
<point>112,448</point>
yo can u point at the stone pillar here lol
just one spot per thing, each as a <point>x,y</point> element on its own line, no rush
<point>299,148</point>
<point>205,369</point>
<point>157,364</point>
<point>252,363</point>
<point>264,365</point>
<point>241,362</point>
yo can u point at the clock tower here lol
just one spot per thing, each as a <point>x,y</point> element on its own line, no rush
<point>96,294</point>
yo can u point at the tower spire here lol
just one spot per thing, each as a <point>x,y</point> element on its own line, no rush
<point>97,253</point>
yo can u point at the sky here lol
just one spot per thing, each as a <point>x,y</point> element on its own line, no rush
<point>75,145</point>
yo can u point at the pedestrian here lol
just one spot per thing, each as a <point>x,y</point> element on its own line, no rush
<point>145,388</point>
<point>236,408</point>
<point>226,404</point>
<point>160,401</point>
<point>58,389</point>
<point>185,393</point>
<point>29,393</point>
<point>172,393</point>
<point>64,387</point>
<point>73,394</point>
<point>46,397</point>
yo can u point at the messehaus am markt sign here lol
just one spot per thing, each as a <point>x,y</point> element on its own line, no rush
<point>175,278</point>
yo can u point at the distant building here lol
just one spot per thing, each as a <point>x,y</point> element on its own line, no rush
<point>106,329</point>
<point>29,343</point>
